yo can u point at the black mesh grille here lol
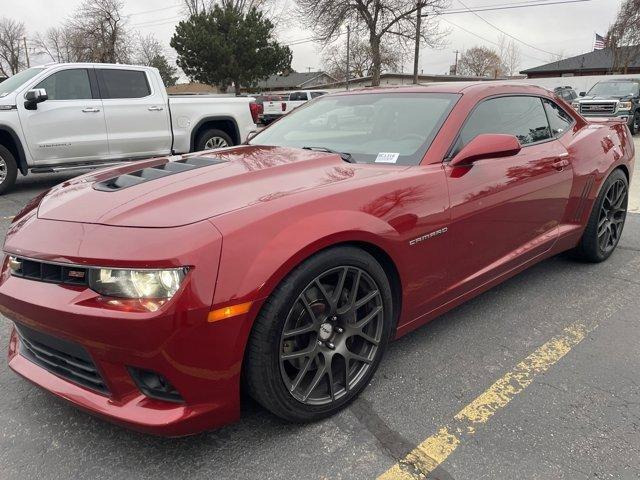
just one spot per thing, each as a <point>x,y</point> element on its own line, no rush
<point>60,357</point>
<point>158,171</point>
<point>48,272</point>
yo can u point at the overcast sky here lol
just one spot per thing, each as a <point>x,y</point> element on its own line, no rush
<point>564,29</point>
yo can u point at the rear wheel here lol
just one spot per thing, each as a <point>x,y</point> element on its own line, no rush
<point>213,138</point>
<point>8,169</point>
<point>605,225</point>
<point>320,337</point>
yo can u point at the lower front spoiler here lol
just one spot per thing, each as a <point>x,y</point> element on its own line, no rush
<point>136,412</point>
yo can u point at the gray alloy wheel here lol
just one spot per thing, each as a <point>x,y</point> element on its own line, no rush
<point>212,139</point>
<point>3,169</point>
<point>8,169</point>
<point>331,335</point>
<point>320,336</point>
<point>613,212</point>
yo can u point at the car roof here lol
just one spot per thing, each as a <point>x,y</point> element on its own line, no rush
<point>475,88</point>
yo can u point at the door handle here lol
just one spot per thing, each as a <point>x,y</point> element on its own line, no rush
<point>91,110</point>
<point>561,163</point>
<point>155,108</point>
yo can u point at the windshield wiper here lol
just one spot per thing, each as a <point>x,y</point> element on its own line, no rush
<point>347,157</point>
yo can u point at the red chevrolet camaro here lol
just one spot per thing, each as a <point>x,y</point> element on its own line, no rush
<point>153,293</point>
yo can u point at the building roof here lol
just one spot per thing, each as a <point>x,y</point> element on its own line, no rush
<point>596,60</point>
<point>293,80</point>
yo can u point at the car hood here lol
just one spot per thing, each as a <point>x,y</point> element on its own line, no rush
<point>223,181</point>
<point>604,97</point>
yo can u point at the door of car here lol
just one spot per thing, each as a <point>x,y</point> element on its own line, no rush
<point>69,126</point>
<point>135,112</point>
<point>506,211</point>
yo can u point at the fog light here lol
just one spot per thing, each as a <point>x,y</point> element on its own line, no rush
<point>154,385</point>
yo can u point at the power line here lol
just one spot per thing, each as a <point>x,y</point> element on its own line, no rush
<point>505,33</point>
<point>153,10</point>
<point>510,6</point>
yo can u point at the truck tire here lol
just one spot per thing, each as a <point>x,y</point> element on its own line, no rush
<point>211,139</point>
<point>635,123</point>
<point>8,169</point>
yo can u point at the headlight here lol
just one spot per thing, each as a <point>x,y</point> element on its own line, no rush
<point>625,105</point>
<point>136,283</point>
<point>576,105</point>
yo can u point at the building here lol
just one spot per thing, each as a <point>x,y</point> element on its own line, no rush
<point>191,89</point>
<point>294,81</point>
<point>598,62</point>
<point>392,79</point>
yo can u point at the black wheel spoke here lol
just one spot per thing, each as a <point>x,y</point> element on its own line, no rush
<point>612,216</point>
<point>335,324</point>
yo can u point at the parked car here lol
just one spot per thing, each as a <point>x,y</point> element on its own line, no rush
<point>567,93</point>
<point>613,98</point>
<point>73,116</point>
<point>145,293</point>
<point>274,110</point>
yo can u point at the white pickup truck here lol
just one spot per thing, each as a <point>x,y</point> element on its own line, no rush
<point>272,110</point>
<point>73,116</point>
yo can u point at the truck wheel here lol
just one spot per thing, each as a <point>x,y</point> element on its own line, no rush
<point>213,138</point>
<point>635,124</point>
<point>8,170</point>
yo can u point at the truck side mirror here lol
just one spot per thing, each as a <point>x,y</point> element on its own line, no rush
<point>34,97</point>
<point>582,94</point>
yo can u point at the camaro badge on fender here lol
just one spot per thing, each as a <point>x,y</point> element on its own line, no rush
<point>435,233</point>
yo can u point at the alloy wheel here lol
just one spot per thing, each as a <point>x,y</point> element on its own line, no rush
<point>612,216</point>
<point>331,335</point>
<point>215,142</point>
<point>3,170</point>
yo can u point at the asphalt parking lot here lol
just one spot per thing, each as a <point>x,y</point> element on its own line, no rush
<point>537,378</point>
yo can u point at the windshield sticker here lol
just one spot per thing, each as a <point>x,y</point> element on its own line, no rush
<point>387,157</point>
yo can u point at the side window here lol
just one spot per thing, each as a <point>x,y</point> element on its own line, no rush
<point>297,96</point>
<point>67,85</point>
<point>521,116</point>
<point>559,120</point>
<point>118,83</point>
<point>316,94</point>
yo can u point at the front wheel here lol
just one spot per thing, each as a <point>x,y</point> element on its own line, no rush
<point>320,336</point>
<point>605,224</point>
<point>8,169</point>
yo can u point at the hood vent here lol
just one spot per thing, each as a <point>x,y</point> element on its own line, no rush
<point>151,173</point>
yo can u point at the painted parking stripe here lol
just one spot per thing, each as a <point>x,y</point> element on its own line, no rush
<point>427,456</point>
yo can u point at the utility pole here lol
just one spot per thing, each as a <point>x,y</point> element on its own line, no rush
<point>416,55</point>
<point>348,47</point>
<point>455,67</point>
<point>26,51</point>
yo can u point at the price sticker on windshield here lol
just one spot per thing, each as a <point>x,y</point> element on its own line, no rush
<point>387,157</point>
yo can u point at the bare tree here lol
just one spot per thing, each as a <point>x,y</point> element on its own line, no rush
<point>12,51</point>
<point>360,59</point>
<point>377,20</point>
<point>151,53</point>
<point>57,43</point>
<point>98,32</point>
<point>509,55</point>
<point>623,37</point>
<point>480,61</point>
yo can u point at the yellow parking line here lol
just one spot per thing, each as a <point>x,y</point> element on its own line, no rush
<point>426,457</point>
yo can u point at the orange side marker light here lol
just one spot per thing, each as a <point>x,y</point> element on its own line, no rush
<point>227,312</point>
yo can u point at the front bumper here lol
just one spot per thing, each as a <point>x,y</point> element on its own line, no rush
<point>202,360</point>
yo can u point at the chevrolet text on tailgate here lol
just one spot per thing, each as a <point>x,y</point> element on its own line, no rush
<point>77,116</point>
<point>145,293</point>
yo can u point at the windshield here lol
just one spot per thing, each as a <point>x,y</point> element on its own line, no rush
<point>615,89</point>
<point>373,127</point>
<point>12,83</point>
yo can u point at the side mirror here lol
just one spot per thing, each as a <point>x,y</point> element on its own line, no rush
<point>487,145</point>
<point>34,97</point>
<point>583,94</point>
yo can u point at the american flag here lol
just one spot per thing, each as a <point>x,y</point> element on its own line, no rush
<point>599,44</point>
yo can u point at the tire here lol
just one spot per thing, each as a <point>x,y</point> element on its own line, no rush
<point>608,215</point>
<point>269,377</point>
<point>635,123</point>
<point>211,139</point>
<point>8,169</point>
